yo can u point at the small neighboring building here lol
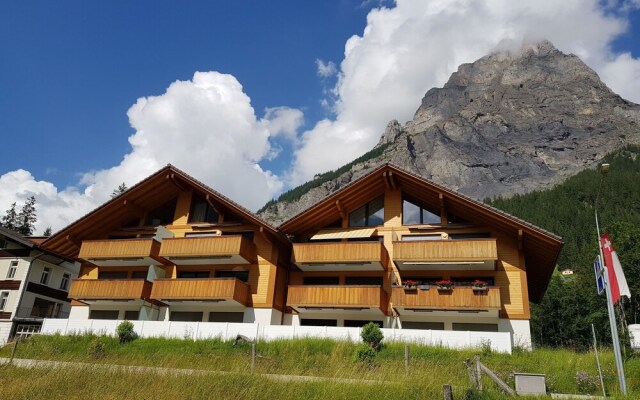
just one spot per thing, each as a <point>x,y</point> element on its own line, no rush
<point>34,284</point>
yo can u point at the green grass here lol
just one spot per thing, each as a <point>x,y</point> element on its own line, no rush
<point>430,368</point>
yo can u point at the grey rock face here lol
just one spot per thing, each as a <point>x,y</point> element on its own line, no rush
<point>508,123</point>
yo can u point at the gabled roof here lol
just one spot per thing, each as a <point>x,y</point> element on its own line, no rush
<point>28,243</point>
<point>152,191</point>
<point>541,248</point>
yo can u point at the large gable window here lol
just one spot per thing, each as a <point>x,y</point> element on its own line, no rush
<point>414,214</point>
<point>162,215</point>
<point>371,214</point>
<point>201,211</point>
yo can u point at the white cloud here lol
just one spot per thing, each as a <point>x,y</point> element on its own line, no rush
<point>408,49</point>
<point>205,126</point>
<point>326,69</point>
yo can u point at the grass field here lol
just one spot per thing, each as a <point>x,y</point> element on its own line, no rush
<point>430,368</point>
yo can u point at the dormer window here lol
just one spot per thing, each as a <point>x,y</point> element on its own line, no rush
<point>371,214</point>
<point>201,211</point>
<point>415,214</point>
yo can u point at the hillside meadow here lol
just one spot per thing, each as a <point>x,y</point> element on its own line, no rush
<point>385,378</point>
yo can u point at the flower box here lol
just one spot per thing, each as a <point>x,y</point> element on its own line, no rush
<point>479,286</point>
<point>410,285</point>
<point>444,285</point>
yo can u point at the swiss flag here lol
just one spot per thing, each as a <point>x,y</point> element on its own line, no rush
<point>619,285</point>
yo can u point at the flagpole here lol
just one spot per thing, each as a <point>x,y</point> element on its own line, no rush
<point>604,168</point>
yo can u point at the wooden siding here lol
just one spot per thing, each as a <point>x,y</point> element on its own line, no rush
<point>337,296</point>
<point>123,248</point>
<point>446,250</point>
<point>10,284</point>
<point>460,298</point>
<point>201,289</point>
<point>339,252</point>
<point>201,247</point>
<point>109,289</point>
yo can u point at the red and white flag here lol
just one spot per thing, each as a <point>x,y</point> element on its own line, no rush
<point>619,285</point>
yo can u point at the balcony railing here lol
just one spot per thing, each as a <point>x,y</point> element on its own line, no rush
<point>129,252</point>
<point>338,296</point>
<point>209,250</point>
<point>459,298</point>
<point>348,256</point>
<point>109,289</point>
<point>476,254</point>
<point>221,289</point>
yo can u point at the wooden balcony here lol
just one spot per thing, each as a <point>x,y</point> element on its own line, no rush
<point>109,289</point>
<point>209,250</point>
<point>460,298</point>
<point>122,252</point>
<point>229,290</point>
<point>337,298</point>
<point>348,256</point>
<point>474,254</point>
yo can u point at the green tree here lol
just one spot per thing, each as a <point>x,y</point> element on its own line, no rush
<point>119,190</point>
<point>10,218</point>
<point>47,232</point>
<point>27,217</point>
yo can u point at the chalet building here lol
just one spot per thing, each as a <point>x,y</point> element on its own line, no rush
<point>33,284</point>
<point>397,249</point>
<point>173,249</point>
<point>390,247</point>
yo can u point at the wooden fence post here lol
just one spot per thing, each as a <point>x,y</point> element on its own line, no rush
<point>448,393</point>
<point>478,372</point>
<point>406,357</point>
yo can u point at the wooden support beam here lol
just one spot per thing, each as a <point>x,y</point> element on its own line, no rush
<point>172,178</point>
<point>263,233</point>
<point>341,209</point>
<point>520,239</point>
<point>444,219</point>
<point>392,180</point>
<point>385,179</point>
<point>76,243</point>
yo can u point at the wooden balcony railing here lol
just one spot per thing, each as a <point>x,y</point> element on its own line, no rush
<point>478,251</point>
<point>230,289</point>
<point>215,250</point>
<point>348,256</point>
<point>121,252</point>
<point>338,296</point>
<point>460,298</point>
<point>109,289</point>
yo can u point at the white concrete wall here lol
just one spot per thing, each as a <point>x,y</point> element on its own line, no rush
<point>79,312</point>
<point>520,330</point>
<point>499,341</point>
<point>5,331</point>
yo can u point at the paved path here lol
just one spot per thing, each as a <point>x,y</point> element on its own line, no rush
<point>31,363</point>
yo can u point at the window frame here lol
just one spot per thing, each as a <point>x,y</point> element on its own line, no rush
<point>4,300</point>
<point>64,283</point>
<point>13,268</point>
<point>421,209</point>
<point>46,275</point>
<point>367,213</point>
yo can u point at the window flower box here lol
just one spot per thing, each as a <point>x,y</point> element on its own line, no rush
<point>410,285</point>
<point>444,285</point>
<point>479,286</point>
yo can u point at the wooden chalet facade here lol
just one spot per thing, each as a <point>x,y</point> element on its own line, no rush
<point>173,249</point>
<point>390,247</point>
<point>397,249</point>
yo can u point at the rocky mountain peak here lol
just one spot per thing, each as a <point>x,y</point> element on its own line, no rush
<point>511,122</point>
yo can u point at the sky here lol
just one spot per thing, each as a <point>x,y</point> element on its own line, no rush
<point>253,98</point>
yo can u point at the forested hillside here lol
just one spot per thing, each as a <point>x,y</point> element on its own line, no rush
<point>571,303</point>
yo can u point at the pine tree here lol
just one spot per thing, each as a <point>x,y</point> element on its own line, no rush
<point>27,217</point>
<point>10,219</point>
<point>119,190</point>
<point>47,232</point>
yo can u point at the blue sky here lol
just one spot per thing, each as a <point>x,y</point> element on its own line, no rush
<point>99,93</point>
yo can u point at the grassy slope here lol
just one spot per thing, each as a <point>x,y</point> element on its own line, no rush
<point>430,369</point>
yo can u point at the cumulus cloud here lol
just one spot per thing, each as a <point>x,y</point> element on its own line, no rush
<point>205,126</point>
<point>326,69</point>
<point>416,45</point>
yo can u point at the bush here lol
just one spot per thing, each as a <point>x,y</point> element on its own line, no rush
<point>97,348</point>
<point>372,335</point>
<point>365,354</point>
<point>125,332</point>
<point>586,383</point>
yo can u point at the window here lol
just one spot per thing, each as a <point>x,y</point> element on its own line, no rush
<point>318,322</point>
<point>4,298</point>
<point>356,323</point>
<point>226,317</point>
<point>43,308</point>
<point>321,280</point>
<point>13,266</point>
<point>201,211</point>
<point>131,315</point>
<point>363,280</point>
<point>459,326</point>
<point>64,284</point>
<point>44,279</point>
<point>463,236</point>
<point>186,316</point>
<point>436,326</point>
<point>371,214</point>
<point>139,275</point>
<point>104,314</point>
<point>162,215</point>
<point>241,275</point>
<point>410,238</point>
<point>193,274</point>
<point>112,275</point>
<point>413,214</point>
